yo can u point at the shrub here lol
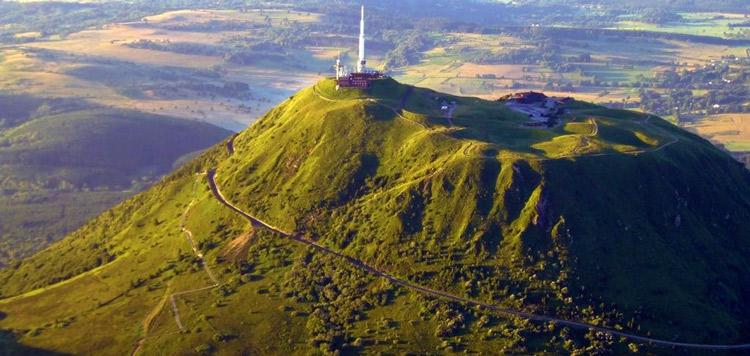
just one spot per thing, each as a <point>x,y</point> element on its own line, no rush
<point>205,349</point>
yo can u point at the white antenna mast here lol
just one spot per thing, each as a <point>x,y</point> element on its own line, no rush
<point>338,66</point>
<point>362,61</point>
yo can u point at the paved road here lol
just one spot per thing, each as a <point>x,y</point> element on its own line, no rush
<point>449,114</point>
<point>361,265</point>
<point>230,146</point>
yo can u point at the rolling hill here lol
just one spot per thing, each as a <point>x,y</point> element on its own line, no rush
<point>349,221</point>
<point>64,161</point>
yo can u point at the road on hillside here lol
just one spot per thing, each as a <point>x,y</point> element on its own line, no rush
<point>449,114</point>
<point>361,265</point>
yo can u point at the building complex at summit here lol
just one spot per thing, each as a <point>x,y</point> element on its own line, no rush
<point>361,77</point>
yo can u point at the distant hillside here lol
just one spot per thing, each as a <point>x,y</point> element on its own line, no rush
<point>350,221</point>
<point>62,162</point>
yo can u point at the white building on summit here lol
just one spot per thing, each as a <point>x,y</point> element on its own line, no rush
<point>360,78</point>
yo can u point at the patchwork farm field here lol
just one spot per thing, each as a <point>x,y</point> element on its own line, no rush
<point>107,66</point>
<point>170,64</point>
<point>608,74</point>
<point>696,23</point>
<point>729,130</point>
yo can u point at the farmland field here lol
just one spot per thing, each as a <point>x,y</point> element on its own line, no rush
<point>729,130</point>
<point>101,66</point>
<point>615,63</point>
<point>153,80</point>
<point>696,23</point>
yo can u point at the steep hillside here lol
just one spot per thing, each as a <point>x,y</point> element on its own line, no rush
<point>368,221</point>
<point>63,161</point>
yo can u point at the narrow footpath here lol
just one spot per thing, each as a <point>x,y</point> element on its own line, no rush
<point>172,297</point>
<point>449,116</point>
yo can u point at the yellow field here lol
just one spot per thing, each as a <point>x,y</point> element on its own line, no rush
<point>730,130</point>
<point>197,16</point>
<point>35,34</point>
<point>108,43</point>
<point>25,70</point>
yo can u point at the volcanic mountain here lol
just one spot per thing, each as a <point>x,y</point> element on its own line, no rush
<point>364,221</point>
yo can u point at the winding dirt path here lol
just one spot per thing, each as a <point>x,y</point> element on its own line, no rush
<point>530,316</point>
<point>585,138</point>
<point>146,323</point>
<point>189,236</point>
<point>396,110</point>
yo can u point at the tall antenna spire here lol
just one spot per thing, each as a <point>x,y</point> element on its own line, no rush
<point>362,61</point>
<point>338,66</point>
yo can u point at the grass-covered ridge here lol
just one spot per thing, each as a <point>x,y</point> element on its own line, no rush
<point>614,218</point>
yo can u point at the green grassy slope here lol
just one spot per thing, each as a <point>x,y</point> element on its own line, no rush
<point>62,162</point>
<point>616,219</point>
<point>657,210</point>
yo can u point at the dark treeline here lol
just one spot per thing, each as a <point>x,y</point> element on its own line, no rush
<point>674,5</point>
<point>546,52</point>
<point>725,85</point>
<point>408,48</point>
<point>592,33</point>
<point>65,18</point>
<point>178,47</point>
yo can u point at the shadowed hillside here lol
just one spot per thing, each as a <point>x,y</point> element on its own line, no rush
<point>64,161</point>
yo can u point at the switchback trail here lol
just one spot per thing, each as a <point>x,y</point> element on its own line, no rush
<point>585,138</point>
<point>363,266</point>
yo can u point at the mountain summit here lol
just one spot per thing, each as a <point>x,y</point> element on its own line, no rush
<point>404,220</point>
